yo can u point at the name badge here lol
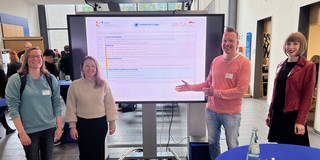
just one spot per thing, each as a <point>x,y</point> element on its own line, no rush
<point>46,92</point>
<point>229,75</point>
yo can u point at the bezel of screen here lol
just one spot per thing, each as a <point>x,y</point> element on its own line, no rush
<point>144,57</point>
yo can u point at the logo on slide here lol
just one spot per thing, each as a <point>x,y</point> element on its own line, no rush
<point>98,24</point>
<point>136,24</point>
<point>182,24</point>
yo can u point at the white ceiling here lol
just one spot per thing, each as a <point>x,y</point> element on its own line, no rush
<point>56,1</point>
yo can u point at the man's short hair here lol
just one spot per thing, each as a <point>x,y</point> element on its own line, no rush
<point>48,52</point>
<point>66,48</point>
<point>28,43</point>
<point>230,29</point>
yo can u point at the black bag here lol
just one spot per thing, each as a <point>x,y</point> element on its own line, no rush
<point>23,79</point>
<point>127,107</point>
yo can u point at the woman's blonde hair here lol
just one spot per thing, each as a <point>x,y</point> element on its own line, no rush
<point>315,58</point>
<point>296,37</point>
<point>99,82</point>
<point>13,56</point>
<point>24,67</point>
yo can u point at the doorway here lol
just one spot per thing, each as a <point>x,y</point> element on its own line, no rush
<point>309,26</point>
<point>263,41</point>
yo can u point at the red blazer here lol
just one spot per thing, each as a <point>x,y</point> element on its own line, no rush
<point>299,89</point>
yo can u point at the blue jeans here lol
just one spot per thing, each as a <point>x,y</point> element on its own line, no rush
<point>231,124</point>
<point>40,141</point>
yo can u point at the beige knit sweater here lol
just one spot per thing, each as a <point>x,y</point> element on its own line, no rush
<point>85,101</point>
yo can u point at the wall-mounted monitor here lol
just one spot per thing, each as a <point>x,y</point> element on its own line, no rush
<point>143,57</point>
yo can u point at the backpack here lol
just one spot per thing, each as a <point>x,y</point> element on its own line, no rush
<point>23,79</point>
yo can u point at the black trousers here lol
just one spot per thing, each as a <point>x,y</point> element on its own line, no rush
<point>41,146</point>
<point>91,140</point>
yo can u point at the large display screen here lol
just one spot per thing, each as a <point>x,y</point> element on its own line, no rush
<point>144,57</point>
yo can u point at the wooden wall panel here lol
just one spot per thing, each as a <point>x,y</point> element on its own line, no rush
<point>17,43</point>
<point>10,30</point>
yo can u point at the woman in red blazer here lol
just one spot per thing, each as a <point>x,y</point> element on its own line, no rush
<point>292,94</point>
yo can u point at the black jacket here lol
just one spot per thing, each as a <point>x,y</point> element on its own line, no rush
<point>13,67</point>
<point>21,53</point>
<point>66,65</point>
<point>52,69</point>
<point>3,83</point>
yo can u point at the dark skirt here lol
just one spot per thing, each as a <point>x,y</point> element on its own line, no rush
<point>282,129</point>
<point>91,140</point>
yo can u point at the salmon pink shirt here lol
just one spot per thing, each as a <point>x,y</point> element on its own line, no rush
<point>230,80</point>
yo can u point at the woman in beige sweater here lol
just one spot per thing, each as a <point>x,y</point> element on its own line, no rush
<point>90,106</point>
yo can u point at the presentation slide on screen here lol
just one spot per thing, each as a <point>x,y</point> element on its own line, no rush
<point>144,58</point>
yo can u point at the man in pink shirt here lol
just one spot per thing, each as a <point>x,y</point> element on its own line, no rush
<point>225,85</point>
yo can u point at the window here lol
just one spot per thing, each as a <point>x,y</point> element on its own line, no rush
<point>152,6</point>
<point>84,8</point>
<point>58,39</point>
<point>128,6</point>
<point>57,25</point>
<point>57,15</point>
<point>174,6</point>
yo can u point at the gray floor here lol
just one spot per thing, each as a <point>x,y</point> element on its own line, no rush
<point>129,133</point>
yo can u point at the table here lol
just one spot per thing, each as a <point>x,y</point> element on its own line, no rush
<point>64,86</point>
<point>3,107</point>
<point>276,151</point>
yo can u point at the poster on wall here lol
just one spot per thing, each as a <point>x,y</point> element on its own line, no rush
<point>248,45</point>
<point>4,57</point>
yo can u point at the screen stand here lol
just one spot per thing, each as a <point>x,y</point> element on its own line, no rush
<point>149,133</point>
<point>149,129</point>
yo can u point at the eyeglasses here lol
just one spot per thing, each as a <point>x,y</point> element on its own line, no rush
<point>34,56</point>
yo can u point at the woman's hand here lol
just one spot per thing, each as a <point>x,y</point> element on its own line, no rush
<point>299,129</point>
<point>184,87</point>
<point>58,133</point>
<point>268,122</point>
<point>24,139</point>
<point>74,133</point>
<point>112,127</point>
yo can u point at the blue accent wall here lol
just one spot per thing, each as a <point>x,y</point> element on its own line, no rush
<point>15,20</point>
